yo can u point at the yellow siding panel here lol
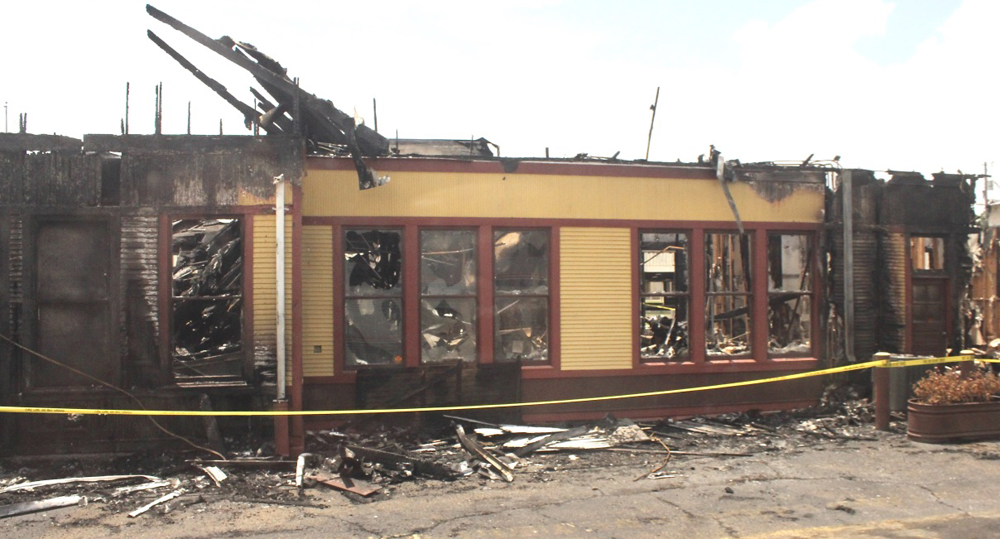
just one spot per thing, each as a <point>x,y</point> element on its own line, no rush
<point>265,290</point>
<point>595,288</point>
<point>453,194</point>
<point>317,300</point>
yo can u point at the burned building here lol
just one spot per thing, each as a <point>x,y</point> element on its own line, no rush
<point>322,265</point>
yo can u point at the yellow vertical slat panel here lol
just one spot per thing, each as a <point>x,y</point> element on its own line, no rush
<point>595,288</point>
<point>265,296</point>
<point>317,300</point>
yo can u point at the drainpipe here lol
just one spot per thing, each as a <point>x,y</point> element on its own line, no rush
<point>279,226</point>
<point>848,216</point>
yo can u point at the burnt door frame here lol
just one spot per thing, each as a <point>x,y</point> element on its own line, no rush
<point>31,321</point>
<point>921,276</point>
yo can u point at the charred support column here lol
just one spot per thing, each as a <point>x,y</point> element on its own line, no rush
<point>881,388</point>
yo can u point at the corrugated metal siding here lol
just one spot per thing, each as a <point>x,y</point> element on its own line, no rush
<point>595,285</point>
<point>317,300</point>
<point>16,274</point>
<point>265,293</point>
<point>450,194</point>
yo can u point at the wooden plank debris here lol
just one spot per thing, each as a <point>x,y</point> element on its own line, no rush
<point>24,508</point>
<point>347,484</point>
<point>31,485</point>
<point>474,448</point>
<point>154,503</point>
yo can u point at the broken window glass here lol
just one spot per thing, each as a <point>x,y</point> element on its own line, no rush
<point>207,299</point>
<point>521,262</point>
<point>372,262</point>
<point>521,295</point>
<point>727,298</point>
<point>373,298</point>
<point>663,311</point>
<point>789,294</point>
<point>927,253</point>
<point>448,303</point>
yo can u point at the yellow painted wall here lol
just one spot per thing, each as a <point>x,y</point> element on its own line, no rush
<point>265,301</point>
<point>246,198</point>
<point>451,194</point>
<point>317,300</point>
<point>595,284</point>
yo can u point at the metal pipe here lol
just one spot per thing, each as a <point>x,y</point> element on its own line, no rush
<point>848,217</point>
<point>279,227</point>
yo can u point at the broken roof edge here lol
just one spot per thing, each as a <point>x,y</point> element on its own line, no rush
<point>28,142</point>
<point>571,166</point>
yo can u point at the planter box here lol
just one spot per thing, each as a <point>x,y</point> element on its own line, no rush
<point>942,423</point>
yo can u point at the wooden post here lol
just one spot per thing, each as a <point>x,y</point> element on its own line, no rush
<point>966,367</point>
<point>881,388</point>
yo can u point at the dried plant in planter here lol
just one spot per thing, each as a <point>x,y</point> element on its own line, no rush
<point>949,387</point>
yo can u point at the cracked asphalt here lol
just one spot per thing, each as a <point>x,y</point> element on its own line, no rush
<point>880,486</point>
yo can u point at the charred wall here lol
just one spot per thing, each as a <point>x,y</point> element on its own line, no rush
<point>122,186</point>
<point>887,214</point>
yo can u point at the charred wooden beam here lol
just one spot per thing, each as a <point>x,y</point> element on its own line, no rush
<point>320,111</point>
<point>247,111</point>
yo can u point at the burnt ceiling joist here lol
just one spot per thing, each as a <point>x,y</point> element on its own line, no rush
<point>292,111</point>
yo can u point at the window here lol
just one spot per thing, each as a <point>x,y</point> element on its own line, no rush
<point>448,302</point>
<point>664,295</point>
<point>373,298</point>
<point>521,295</point>
<point>727,294</point>
<point>207,300</point>
<point>927,253</point>
<point>789,294</point>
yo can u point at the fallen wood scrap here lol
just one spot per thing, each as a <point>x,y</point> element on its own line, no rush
<point>154,503</point>
<point>656,470</point>
<point>24,508</point>
<point>244,463</point>
<point>214,473</point>
<point>95,479</point>
<point>346,484</point>
<point>402,462</point>
<point>474,448</point>
<point>551,438</point>
<point>144,486</point>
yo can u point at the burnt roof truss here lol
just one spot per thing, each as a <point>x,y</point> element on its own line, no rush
<point>292,111</point>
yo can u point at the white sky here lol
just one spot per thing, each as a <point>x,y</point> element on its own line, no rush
<point>910,85</point>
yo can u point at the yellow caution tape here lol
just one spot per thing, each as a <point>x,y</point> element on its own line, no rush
<point>890,363</point>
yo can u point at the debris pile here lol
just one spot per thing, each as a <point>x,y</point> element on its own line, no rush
<point>367,462</point>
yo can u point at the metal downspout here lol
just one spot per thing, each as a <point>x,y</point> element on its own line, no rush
<point>279,225</point>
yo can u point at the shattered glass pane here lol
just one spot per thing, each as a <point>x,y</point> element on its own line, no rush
<point>448,329</point>
<point>521,261</point>
<point>664,327</point>
<point>372,262</point>
<point>522,329</point>
<point>727,262</point>
<point>207,302</point>
<point>788,263</point>
<point>664,259</point>
<point>447,262</point>
<point>373,332</point>
<point>727,323</point>
<point>789,324</point>
<point>927,253</point>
